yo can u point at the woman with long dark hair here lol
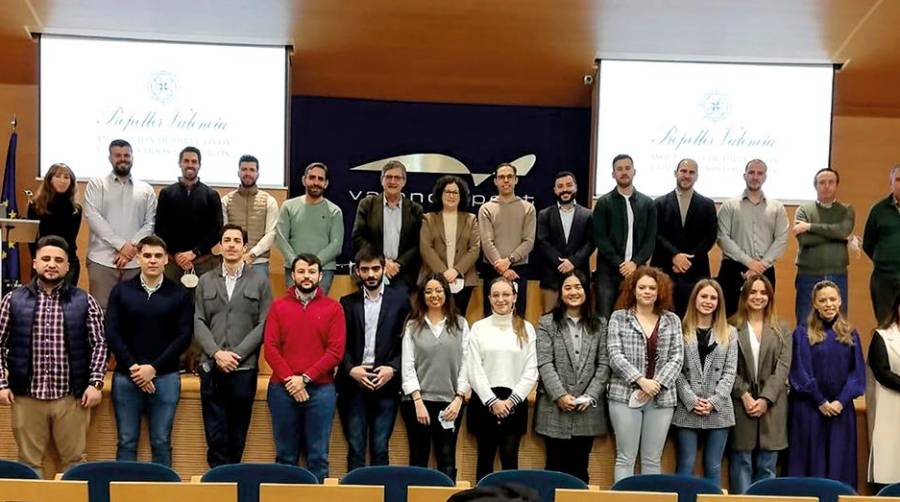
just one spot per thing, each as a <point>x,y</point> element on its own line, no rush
<point>574,367</point>
<point>827,373</point>
<point>760,385</point>
<point>433,375</point>
<point>705,411</point>
<point>883,400</point>
<point>645,357</point>
<point>502,369</point>
<point>449,241</point>
<point>55,208</point>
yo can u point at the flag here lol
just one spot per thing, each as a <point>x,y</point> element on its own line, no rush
<point>8,201</point>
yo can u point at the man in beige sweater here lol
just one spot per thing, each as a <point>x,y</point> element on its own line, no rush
<point>507,226</point>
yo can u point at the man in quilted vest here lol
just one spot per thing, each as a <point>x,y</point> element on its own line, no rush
<point>52,359</point>
<point>255,211</point>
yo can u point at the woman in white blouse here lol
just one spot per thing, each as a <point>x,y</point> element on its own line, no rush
<point>433,375</point>
<point>502,369</point>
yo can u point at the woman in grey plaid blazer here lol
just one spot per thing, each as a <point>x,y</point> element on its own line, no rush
<point>574,369</point>
<point>645,356</point>
<point>704,407</point>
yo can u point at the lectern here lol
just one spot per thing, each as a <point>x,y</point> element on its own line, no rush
<point>15,230</point>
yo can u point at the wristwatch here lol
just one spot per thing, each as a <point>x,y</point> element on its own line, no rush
<point>306,379</point>
<point>98,384</point>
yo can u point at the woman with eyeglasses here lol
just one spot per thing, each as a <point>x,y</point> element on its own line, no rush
<point>433,375</point>
<point>827,373</point>
<point>449,241</point>
<point>502,368</point>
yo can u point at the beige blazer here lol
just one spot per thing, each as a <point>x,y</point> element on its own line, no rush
<point>433,246</point>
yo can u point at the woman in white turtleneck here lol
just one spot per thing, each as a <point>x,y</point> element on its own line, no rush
<point>502,368</point>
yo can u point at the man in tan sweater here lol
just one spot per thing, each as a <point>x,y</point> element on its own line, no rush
<point>507,226</point>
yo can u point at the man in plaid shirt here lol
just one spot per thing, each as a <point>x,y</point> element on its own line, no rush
<point>52,359</point>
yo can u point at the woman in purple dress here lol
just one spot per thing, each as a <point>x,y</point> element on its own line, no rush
<point>828,372</point>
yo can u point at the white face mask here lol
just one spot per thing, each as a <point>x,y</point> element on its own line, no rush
<point>190,279</point>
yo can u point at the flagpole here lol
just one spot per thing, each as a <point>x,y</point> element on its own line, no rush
<point>14,122</point>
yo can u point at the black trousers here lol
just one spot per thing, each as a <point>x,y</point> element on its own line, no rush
<point>569,455</point>
<point>462,299</point>
<point>421,436</point>
<point>731,279</point>
<point>607,283</point>
<point>226,401</point>
<point>488,274</point>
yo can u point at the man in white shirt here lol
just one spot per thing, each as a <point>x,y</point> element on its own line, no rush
<point>120,211</point>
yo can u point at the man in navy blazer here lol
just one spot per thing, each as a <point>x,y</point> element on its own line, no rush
<point>563,238</point>
<point>686,231</point>
<point>368,379</point>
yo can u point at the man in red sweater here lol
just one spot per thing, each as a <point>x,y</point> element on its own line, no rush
<point>304,341</point>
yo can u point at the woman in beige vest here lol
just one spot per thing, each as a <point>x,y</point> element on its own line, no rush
<point>884,361</point>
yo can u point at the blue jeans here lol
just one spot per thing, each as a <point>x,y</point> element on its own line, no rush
<point>804,286</point>
<point>643,429</point>
<point>308,423</point>
<point>261,268</point>
<point>130,403</point>
<point>368,419</point>
<point>713,450</point>
<point>325,283</point>
<point>748,467</point>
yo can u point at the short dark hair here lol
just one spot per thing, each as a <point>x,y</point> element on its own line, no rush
<point>244,158</point>
<point>308,258</point>
<point>118,143</point>
<point>313,165</point>
<point>369,253</point>
<point>190,149</point>
<point>232,226</point>
<point>437,203</point>
<point>51,240</point>
<point>622,156</point>
<point>826,170</point>
<point>563,174</point>
<point>504,164</point>
<point>152,240</point>
<point>755,161</point>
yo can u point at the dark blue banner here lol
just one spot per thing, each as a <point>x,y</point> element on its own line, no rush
<point>355,137</point>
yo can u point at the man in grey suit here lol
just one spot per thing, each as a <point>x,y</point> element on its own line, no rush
<point>563,238</point>
<point>231,305</point>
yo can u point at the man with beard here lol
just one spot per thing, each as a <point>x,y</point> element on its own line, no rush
<point>624,223</point>
<point>686,231</point>
<point>120,211</point>
<point>52,359</point>
<point>254,211</point>
<point>369,377</point>
<point>304,338</point>
<point>230,308</point>
<point>753,233</point>
<point>149,324</point>
<point>312,224</point>
<point>189,219</point>
<point>392,226</point>
<point>507,225</point>
<point>563,238</point>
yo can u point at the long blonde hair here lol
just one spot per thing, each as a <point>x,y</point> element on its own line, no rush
<point>518,324</point>
<point>770,319</point>
<point>815,328</point>
<point>719,324</point>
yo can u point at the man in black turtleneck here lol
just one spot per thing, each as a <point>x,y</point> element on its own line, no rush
<point>189,219</point>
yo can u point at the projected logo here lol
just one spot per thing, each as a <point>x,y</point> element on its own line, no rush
<point>715,106</point>
<point>163,86</point>
<point>436,163</point>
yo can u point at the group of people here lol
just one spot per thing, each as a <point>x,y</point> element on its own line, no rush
<point>645,342</point>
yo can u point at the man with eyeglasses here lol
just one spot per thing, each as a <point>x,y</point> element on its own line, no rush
<point>507,225</point>
<point>390,224</point>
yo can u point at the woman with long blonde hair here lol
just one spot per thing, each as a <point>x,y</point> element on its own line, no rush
<point>760,385</point>
<point>827,373</point>
<point>502,368</point>
<point>704,409</point>
<point>55,208</point>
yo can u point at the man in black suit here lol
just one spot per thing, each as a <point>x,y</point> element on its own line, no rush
<point>563,238</point>
<point>391,224</point>
<point>368,379</point>
<point>686,231</point>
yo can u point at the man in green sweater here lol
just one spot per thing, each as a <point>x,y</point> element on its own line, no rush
<point>881,242</point>
<point>822,228</point>
<point>311,224</point>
